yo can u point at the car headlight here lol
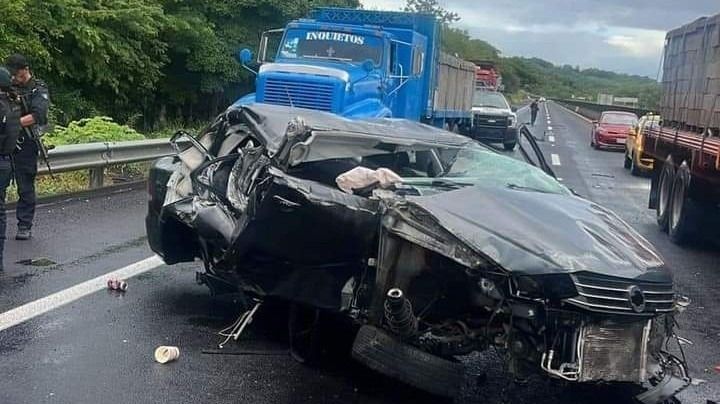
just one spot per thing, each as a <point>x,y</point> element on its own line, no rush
<point>512,121</point>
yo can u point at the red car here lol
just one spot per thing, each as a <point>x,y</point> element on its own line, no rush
<point>611,131</point>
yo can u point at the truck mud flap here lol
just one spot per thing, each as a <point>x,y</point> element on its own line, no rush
<point>385,354</point>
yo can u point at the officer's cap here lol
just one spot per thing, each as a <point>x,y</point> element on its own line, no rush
<point>16,62</point>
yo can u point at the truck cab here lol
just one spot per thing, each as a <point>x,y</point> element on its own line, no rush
<point>343,61</point>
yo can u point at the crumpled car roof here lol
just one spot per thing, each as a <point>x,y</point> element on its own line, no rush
<point>273,121</point>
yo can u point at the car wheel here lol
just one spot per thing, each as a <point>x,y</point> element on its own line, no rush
<point>388,355</point>
<point>626,162</point>
<point>455,128</point>
<point>634,169</point>
<point>304,332</point>
<point>594,143</point>
<point>665,184</point>
<point>683,212</point>
<point>510,146</point>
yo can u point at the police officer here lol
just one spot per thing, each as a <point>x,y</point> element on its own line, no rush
<point>10,113</point>
<point>534,107</point>
<point>37,99</point>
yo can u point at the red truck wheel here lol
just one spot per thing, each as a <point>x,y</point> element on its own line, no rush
<point>667,177</point>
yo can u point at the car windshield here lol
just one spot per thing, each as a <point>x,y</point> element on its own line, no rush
<point>441,169</point>
<point>619,119</point>
<point>489,99</point>
<point>301,44</point>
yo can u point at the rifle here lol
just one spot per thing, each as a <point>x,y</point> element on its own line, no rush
<point>32,134</point>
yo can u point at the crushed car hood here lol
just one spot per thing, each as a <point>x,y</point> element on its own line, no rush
<point>531,232</point>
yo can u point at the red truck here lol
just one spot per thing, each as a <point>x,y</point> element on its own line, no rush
<point>487,76</point>
<point>685,146</point>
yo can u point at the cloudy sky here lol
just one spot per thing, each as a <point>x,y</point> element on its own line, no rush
<point>619,35</point>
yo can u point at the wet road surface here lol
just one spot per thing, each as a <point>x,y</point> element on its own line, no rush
<point>99,348</point>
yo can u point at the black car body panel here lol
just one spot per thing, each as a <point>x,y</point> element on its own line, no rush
<point>464,248</point>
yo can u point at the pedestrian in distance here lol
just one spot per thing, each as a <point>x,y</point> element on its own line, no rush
<point>534,107</point>
<point>35,101</point>
<point>10,112</point>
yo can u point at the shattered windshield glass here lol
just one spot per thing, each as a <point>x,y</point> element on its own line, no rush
<point>473,165</point>
<point>430,167</point>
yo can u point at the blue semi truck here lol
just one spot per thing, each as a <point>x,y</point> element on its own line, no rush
<point>364,64</point>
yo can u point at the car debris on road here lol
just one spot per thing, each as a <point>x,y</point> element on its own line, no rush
<point>457,257</point>
<point>165,354</point>
<point>117,284</point>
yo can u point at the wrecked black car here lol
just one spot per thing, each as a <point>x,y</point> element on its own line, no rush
<point>433,245</point>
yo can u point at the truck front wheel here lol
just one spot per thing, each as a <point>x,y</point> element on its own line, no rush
<point>683,212</point>
<point>665,185</point>
<point>510,146</point>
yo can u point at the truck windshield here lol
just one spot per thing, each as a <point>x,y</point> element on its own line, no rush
<point>489,99</point>
<point>301,44</point>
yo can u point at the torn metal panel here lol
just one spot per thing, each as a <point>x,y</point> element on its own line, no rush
<point>534,233</point>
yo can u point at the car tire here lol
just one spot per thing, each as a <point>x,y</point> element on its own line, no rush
<point>304,334</point>
<point>510,146</point>
<point>684,212</point>
<point>389,356</point>
<point>634,169</point>
<point>627,161</point>
<point>594,143</point>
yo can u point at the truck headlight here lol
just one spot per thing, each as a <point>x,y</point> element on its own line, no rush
<point>512,121</point>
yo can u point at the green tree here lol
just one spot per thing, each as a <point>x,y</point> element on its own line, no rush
<point>432,7</point>
<point>458,41</point>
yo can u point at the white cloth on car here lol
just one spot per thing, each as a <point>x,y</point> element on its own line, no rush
<point>361,177</point>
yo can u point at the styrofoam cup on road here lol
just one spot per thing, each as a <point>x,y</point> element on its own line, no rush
<point>165,354</point>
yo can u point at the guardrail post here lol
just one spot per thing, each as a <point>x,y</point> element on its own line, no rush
<point>97,176</point>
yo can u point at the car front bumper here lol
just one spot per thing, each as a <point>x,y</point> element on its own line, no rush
<point>494,134</point>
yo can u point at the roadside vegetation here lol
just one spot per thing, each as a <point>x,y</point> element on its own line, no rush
<point>133,69</point>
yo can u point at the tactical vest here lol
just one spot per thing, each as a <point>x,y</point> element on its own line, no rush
<point>10,113</point>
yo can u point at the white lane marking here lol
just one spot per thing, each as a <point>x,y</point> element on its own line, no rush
<point>43,305</point>
<point>555,159</point>
<point>549,122</point>
<point>559,179</point>
<point>549,127</point>
<point>551,138</point>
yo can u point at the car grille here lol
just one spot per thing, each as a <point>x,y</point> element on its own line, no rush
<point>599,293</point>
<point>312,95</point>
<point>614,352</point>
<point>489,121</point>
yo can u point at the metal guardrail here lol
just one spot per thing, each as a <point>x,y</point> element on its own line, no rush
<point>97,156</point>
<point>592,110</point>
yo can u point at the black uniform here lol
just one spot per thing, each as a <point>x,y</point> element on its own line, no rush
<point>10,113</point>
<point>37,99</point>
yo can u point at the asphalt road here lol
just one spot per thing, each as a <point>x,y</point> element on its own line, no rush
<point>99,347</point>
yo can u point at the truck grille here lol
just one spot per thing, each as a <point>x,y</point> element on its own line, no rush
<point>311,95</point>
<point>614,351</point>
<point>489,121</point>
<point>600,293</point>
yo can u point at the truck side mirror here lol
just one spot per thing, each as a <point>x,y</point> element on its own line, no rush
<point>244,56</point>
<point>513,109</point>
<point>368,65</point>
